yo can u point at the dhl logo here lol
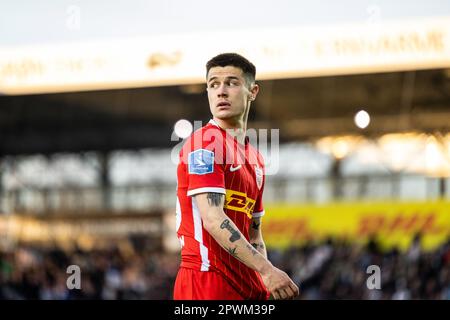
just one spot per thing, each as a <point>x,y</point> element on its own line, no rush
<point>239,201</point>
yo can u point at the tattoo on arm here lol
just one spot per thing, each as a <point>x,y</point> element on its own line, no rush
<point>254,252</point>
<point>258,246</point>
<point>232,251</point>
<point>235,235</point>
<point>214,199</point>
<point>255,225</point>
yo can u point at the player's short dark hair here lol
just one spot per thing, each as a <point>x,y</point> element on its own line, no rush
<point>235,60</point>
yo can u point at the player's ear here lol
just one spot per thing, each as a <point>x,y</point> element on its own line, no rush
<point>254,89</point>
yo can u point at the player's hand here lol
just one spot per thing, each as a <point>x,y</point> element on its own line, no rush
<point>279,284</point>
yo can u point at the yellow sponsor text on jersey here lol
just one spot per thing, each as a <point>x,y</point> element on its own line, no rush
<point>239,201</point>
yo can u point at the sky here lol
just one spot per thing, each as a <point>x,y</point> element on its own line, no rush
<point>25,22</point>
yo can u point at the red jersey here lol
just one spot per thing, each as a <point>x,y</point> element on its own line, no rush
<point>213,161</point>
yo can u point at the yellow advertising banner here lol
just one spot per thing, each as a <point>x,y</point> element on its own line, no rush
<point>392,224</point>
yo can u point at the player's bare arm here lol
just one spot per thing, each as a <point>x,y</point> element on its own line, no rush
<point>255,236</point>
<point>225,232</point>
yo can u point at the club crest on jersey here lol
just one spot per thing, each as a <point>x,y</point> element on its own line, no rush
<point>201,161</point>
<point>259,176</point>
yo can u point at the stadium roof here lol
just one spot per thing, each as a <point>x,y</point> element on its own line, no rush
<point>302,108</point>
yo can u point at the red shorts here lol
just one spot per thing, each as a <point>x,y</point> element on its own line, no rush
<point>193,284</point>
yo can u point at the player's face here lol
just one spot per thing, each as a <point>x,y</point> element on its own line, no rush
<point>228,92</point>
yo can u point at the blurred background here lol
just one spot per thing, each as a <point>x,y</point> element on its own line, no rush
<point>97,97</point>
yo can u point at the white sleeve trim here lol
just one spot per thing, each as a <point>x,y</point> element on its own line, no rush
<point>207,189</point>
<point>258,214</point>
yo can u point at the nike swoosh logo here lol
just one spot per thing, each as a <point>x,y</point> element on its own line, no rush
<point>233,169</point>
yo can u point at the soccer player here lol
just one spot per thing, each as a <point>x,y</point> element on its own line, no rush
<point>219,198</point>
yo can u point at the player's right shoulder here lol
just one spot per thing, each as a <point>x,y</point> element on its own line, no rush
<point>207,140</point>
<point>207,137</point>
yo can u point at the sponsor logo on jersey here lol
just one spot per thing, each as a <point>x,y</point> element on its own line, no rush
<point>239,201</point>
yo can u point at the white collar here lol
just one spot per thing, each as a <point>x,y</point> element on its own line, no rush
<point>214,123</point>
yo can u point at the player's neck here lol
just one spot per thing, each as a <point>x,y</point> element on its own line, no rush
<point>236,128</point>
